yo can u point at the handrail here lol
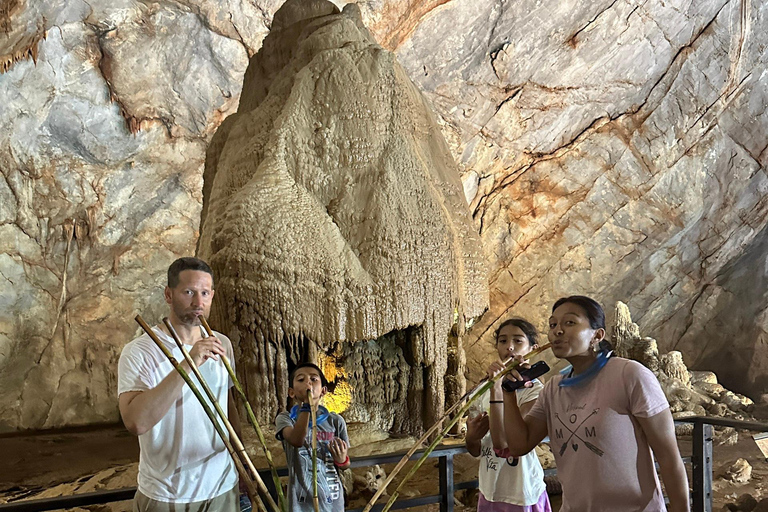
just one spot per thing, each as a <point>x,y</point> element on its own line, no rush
<point>702,458</point>
<point>109,496</point>
<point>723,422</point>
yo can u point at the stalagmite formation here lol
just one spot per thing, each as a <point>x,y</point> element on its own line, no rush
<point>689,393</point>
<point>333,214</point>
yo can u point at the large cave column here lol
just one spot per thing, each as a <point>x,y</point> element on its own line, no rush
<point>333,212</point>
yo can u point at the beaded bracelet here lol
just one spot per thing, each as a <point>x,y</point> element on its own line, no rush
<point>342,463</point>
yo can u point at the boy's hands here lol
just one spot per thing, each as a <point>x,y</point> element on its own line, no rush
<point>339,450</point>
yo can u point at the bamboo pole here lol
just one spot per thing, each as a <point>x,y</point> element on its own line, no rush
<point>233,437</point>
<point>252,418</point>
<point>313,412</point>
<point>252,493</point>
<point>476,392</point>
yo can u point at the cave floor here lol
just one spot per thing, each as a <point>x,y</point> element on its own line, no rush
<point>53,457</point>
<point>57,463</point>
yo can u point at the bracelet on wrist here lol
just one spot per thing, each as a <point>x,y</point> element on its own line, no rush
<point>497,401</point>
<point>346,461</point>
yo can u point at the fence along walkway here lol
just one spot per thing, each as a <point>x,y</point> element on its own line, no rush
<point>701,463</point>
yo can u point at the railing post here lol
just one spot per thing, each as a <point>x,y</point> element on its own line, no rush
<point>446,483</point>
<point>266,476</point>
<point>701,463</point>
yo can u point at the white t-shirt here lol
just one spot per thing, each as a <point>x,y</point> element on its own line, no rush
<point>514,480</point>
<point>182,458</point>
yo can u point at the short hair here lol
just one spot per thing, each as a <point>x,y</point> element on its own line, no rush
<point>524,325</point>
<point>307,365</point>
<point>186,263</point>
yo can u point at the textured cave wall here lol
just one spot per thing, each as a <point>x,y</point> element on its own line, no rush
<point>333,212</point>
<point>610,147</point>
<point>615,149</point>
<point>90,213</point>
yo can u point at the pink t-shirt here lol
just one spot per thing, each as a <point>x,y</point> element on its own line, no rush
<point>603,458</point>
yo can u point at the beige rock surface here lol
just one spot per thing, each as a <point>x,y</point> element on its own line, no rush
<point>610,148</point>
<point>689,393</point>
<point>605,156</point>
<point>90,213</point>
<point>334,214</point>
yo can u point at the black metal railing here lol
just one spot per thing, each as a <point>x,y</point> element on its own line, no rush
<point>701,456</point>
<point>701,465</point>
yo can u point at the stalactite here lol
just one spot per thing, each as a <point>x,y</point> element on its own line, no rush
<point>28,50</point>
<point>333,209</point>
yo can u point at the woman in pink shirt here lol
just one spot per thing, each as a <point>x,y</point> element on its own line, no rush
<point>606,418</point>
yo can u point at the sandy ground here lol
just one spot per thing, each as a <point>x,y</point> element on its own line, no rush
<point>46,459</point>
<point>57,463</point>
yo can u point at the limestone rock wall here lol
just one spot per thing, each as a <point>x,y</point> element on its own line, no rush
<point>615,148</point>
<point>102,146</point>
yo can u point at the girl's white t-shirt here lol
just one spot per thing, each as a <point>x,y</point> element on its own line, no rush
<point>514,480</point>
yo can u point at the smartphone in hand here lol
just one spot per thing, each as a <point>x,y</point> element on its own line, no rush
<point>536,370</point>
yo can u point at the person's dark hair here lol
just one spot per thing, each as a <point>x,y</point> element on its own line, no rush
<point>186,263</point>
<point>591,307</point>
<point>593,310</point>
<point>524,325</point>
<point>323,380</point>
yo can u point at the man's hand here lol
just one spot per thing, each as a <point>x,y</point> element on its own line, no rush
<point>207,348</point>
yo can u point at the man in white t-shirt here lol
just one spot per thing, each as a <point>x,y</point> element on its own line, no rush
<point>182,459</point>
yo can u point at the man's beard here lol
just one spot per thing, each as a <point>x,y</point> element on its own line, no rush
<point>189,318</point>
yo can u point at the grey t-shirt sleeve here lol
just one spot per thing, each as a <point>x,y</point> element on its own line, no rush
<point>283,420</point>
<point>341,429</point>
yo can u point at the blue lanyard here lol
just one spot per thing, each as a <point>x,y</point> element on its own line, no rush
<point>589,374</point>
<point>322,414</point>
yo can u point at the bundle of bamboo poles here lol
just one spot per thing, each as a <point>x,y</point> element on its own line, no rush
<point>250,476</point>
<point>252,419</point>
<point>467,400</point>
<point>245,468</point>
<point>313,412</point>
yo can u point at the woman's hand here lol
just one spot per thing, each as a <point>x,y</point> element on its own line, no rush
<point>660,431</point>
